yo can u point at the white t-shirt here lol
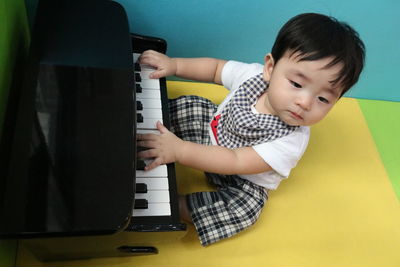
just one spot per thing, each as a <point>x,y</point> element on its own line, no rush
<point>281,154</point>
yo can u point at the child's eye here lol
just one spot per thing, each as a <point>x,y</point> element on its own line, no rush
<point>323,100</point>
<point>297,85</point>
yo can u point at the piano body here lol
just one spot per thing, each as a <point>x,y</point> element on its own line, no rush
<point>69,187</point>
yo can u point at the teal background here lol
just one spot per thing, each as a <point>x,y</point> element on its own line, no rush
<point>245,30</point>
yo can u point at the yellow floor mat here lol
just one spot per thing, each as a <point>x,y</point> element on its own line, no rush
<point>338,208</point>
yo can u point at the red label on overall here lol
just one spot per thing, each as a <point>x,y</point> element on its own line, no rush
<point>214,126</point>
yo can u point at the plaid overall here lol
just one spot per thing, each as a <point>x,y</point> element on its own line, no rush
<point>237,203</point>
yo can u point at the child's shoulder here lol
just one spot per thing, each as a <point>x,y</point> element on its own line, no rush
<point>237,66</point>
<point>235,73</point>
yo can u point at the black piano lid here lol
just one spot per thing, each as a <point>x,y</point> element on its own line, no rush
<point>67,147</point>
<point>84,32</point>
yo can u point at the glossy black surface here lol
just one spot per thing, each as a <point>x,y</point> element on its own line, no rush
<point>67,150</point>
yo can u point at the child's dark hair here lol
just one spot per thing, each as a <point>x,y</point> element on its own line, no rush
<point>317,36</point>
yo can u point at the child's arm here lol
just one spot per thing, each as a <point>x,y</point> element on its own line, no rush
<point>197,69</point>
<point>167,148</point>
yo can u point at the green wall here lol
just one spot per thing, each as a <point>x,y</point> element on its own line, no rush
<point>8,252</point>
<point>14,39</point>
<point>383,121</point>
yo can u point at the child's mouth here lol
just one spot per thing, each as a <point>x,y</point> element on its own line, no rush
<point>296,116</point>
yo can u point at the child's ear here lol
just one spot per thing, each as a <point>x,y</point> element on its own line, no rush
<point>269,64</point>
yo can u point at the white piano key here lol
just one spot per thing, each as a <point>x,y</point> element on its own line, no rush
<point>154,183</point>
<point>151,89</point>
<point>142,66</point>
<point>145,73</point>
<point>159,196</point>
<point>135,57</point>
<point>154,209</point>
<point>149,123</point>
<point>159,171</point>
<point>151,84</point>
<point>149,93</point>
<point>150,103</point>
<point>146,131</point>
<point>147,67</point>
<point>151,113</point>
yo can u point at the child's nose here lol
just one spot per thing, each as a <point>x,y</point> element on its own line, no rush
<point>304,101</point>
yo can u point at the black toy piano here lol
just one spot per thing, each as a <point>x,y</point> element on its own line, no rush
<point>71,186</point>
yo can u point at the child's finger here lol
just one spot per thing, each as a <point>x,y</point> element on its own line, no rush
<point>161,127</point>
<point>144,137</point>
<point>147,144</point>
<point>158,74</point>
<point>148,153</point>
<point>155,163</point>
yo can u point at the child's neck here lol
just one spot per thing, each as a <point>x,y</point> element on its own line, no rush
<point>260,105</point>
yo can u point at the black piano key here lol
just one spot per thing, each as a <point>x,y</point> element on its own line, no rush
<point>141,204</point>
<point>139,117</point>
<point>138,88</point>
<point>140,164</point>
<point>138,78</point>
<point>141,188</point>
<point>137,67</point>
<point>139,105</point>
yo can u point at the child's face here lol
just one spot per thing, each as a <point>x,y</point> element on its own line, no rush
<point>300,92</point>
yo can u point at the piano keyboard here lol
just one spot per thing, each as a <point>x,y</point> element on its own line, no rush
<point>152,197</point>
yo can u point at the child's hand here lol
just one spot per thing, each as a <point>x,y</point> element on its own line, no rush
<point>164,147</point>
<point>165,65</point>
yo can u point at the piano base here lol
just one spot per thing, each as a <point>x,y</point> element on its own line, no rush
<point>84,247</point>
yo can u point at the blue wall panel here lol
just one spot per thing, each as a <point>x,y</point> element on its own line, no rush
<point>245,30</point>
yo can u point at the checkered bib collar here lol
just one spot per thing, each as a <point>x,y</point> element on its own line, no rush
<point>238,126</point>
